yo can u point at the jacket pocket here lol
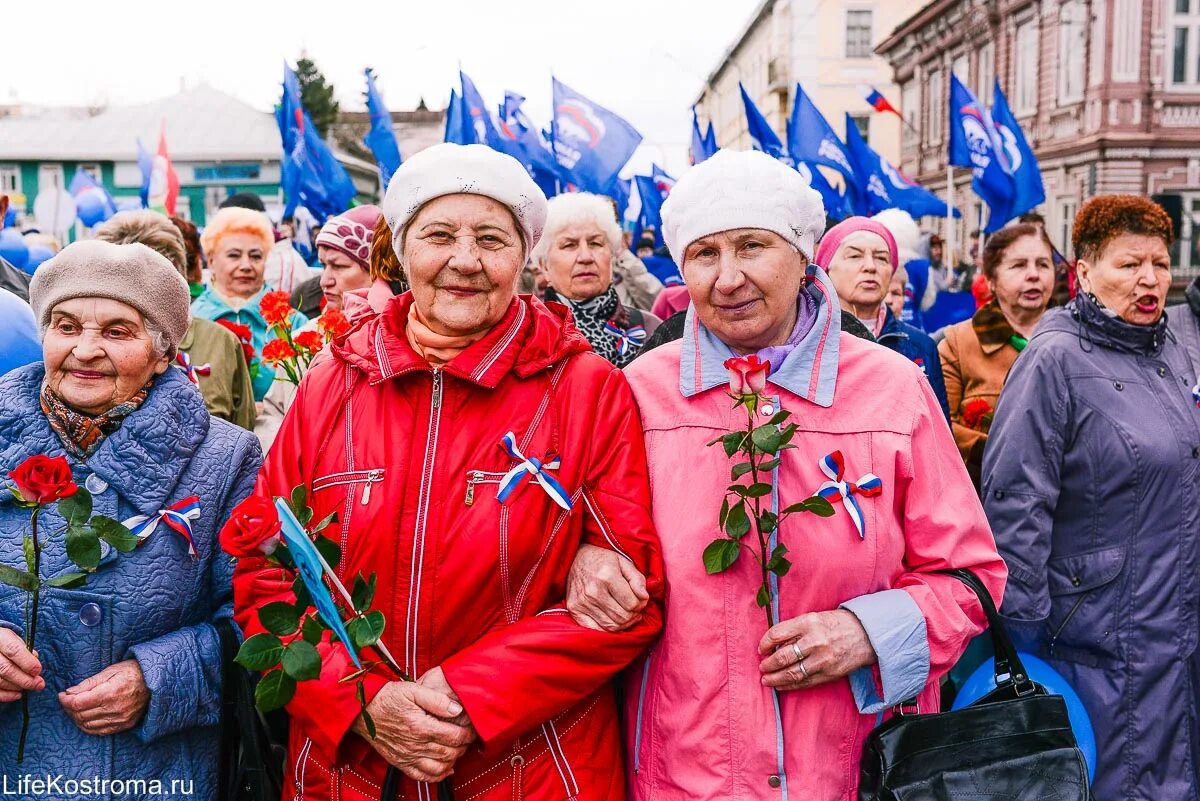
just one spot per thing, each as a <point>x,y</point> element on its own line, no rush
<point>477,478</point>
<point>367,478</point>
<point>1085,600</point>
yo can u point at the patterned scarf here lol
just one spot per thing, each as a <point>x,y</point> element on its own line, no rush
<point>82,434</point>
<point>592,316</point>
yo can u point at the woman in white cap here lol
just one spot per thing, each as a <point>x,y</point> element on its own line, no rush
<point>723,707</point>
<point>125,683</point>
<point>455,434</point>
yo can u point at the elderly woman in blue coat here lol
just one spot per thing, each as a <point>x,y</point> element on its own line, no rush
<point>125,682</point>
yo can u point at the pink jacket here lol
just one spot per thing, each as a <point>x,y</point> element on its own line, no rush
<point>700,725</point>
<point>360,303</point>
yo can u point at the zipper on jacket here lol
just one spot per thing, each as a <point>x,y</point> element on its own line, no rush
<point>373,477</point>
<point>637,734</point>
<point>418,552</point>
<point>437,387</point>
<point>475,477</point>
<point>1074,608</point>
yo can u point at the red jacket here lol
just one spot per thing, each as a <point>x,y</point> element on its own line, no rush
<point>410,458</point>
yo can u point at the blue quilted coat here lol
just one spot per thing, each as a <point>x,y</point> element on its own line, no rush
<point>155,604</point>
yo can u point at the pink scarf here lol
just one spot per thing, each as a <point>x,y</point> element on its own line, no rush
<point>435,348</point>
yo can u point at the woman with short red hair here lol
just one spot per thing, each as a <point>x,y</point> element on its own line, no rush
<point>1091,482</point>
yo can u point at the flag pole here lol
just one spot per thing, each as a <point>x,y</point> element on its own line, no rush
<point>980,256</point>
<point>949,249</point>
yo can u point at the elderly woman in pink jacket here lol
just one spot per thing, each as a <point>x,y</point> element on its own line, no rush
<point>723,707</point>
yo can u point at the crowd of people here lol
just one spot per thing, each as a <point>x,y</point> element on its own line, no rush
<point>564,637</point>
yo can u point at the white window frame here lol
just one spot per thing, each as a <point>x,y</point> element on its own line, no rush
<point>869,52</point>
<point>938,100</point>
<point>10,179</point>
<point>910,110</point>
<point>1072,52</point>
<point>986,72</point>
<point>861,122</point>
<point>50,176</point>
<point>1100,52</point>
<point>1025,77</point>
<point>1067,208</point>
<point>1189,22</point>
<point>1127,41</point>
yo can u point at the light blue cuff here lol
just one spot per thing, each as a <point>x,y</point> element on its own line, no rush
<point>896,628</point>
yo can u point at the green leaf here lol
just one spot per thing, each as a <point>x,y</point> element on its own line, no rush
<point>69,581</point>
<point>301,661</point>
<point>780,416</point>
<point>368,721</point>
<point>786,434</point>
<point>260,652</point>
<point>737,524</point>
<point>732,442</point>
<point>279,618</point>
<point>312,629</point>
<point>720,555</point>
<point>767,438</point>
<point>724,512</point>
<point>740,469</point>
<point>816,505</point>
<point>759,490</point>
<point>298,499</point>
<point>30,556</point>
<point>764,596</point>
<point>769,465</point>
<point>331,518</point>
<point>114,533</point>
<point>363,593</point>
<point>767,522</point>
<point>274,690</point>
<point>778,564</point>
<point>366,630</point>
<point>83,547</point>
<point>330,550</point>
<point>17,578</point>
<point>76,508</point>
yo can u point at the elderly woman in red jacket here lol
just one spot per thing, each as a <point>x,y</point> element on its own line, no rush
<point>415,433</point>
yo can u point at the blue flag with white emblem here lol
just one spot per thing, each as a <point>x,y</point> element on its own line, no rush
<point>1030,192</point>
<point>591,143</point>
<point>881,186</point>
<point>310,174</point>
<point>812,139</point>
<point>381,138</point>
<point>526,143</point>
<point>761,133</point>
<point>975,143</point>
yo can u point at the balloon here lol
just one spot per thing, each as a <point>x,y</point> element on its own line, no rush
<point>37,255</point>
<point>10,219</point>
<point>19,343</point>
<point>983,681</point>
<point>13,248</point>
<point>91,208</point>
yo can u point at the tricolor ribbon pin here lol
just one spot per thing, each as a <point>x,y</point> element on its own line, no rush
<point>190,370</point>
<point>1196,393</point>
<point>627,338</point>
<point>870,485</point>
<point>535,467</point>
<point>178,517</point>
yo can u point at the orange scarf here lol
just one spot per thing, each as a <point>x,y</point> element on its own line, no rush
<point>435,348</point>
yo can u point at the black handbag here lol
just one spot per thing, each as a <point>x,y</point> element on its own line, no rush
<point>1014,743</point>
<point>253,750</point>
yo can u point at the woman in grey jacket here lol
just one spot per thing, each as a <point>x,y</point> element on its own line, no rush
<point>1091,482</point>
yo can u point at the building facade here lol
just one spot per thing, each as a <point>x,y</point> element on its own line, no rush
<point>1106,91</point>
<point>826,46</point>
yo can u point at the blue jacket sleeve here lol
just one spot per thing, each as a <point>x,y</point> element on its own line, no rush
<point>182,669</point>
<point>937,379</point>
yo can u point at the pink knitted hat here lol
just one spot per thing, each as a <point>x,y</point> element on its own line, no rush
<point>837,234</point>
<point>351,233</point>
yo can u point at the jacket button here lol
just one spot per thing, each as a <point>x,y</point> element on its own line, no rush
<point>1118,386</point>
<point>1196,452</point>
<point>1075,581</point>
<point>774,781</point>
<point>516,761</point>
<point>95,485</point>
<point>767,410</point>
<point>998,495</point>
<point>90,615</point>
<point>1162,372</point>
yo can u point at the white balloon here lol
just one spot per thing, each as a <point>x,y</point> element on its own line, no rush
<point>54,211</point>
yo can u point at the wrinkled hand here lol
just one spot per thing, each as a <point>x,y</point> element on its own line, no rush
<point>112,701</point>
<point>413,730</point>
<point>435,679</point>
<point>834,644</point>
<point>604,590</point>
<point>20,670</point>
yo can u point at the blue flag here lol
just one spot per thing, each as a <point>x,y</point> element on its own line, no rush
<point>761,133</point>
<point>838,205</point>
<point>310,174</point>
<point>453,132</point>
<point>650,215</point>
<point>93,202</point>
<point>1018,157</point>
<point>881,186</point>
<point>591,143</point>
<point>812,139</point>
<point>477,127</point>
<point>710,140</point>
<point>703,145</point>
<point>381,138</point>
<point>620,190</point>
<point>145,160</point>
<point>975,143</point>
<point>525,141</point>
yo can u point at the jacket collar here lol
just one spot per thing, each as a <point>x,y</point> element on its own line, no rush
<point>212,306</point>
<point>810,371</point>
<point>992,328</point>
<point>142,460</point>
<point>1099,327</point>
<point>893,327</point>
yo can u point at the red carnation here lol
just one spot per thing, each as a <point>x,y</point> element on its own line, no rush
<point>976,413</point>
<point>333,323</point>
<point>276,308</point>
<point>245,338</point>
<point>278,351</point>
<point>252,529</point>
<point>43,479</point>
<point>309,342</point>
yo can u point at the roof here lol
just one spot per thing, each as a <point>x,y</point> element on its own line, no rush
<point>202,124</point>
<point>930,11</point>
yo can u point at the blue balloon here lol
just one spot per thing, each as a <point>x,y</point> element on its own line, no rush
<point>13,248</point>
<point>19,343</point>
<point>10,219</point>
<point>983,681</point>
<point>37,255</point>
<point>91,208</point>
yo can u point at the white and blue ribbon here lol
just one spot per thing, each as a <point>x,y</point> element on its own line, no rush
<point>178,517</point>
<point>837,488</point>
<point>531,466</point>
<point>1196,393</point>
<point>627,338</point>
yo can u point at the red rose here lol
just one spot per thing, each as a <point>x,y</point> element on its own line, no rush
<point>333,323</point>
<point>975,413</point>
<point>309,341</point>
<point>747,375</point>
<point>278,351</point>
<point>253,528</point>
<point>276,308</point>
<point>43,479</point>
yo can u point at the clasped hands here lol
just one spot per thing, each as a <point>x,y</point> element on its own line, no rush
<point>420,727</point>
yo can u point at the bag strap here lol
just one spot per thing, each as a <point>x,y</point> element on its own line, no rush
<point>229,699</point>
<point>1008,667</point>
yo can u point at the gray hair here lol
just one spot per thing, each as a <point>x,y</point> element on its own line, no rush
<point>572,209</point>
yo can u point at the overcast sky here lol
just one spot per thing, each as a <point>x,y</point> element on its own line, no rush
<point>644,59</point>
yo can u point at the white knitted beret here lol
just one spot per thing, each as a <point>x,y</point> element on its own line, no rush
<point>742,189</point>
<point>132,274</point>
<point>449,169</point>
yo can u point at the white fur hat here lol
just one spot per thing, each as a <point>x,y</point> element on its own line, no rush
<point>449,169</point>
<point>904,230</point>
<point>742,189</point>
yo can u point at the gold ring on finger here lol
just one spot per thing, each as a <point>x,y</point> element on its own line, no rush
<point>803,670</point>
<point>799,654</point>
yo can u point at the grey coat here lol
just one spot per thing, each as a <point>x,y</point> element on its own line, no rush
<point>1091,481</point>
<point>1183,321</point>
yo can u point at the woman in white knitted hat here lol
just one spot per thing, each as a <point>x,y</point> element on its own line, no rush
<point>125,682</point>
<point>456,435</point>
<point>726,705</point>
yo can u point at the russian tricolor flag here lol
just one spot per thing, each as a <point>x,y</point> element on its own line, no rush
<point>879,102</point>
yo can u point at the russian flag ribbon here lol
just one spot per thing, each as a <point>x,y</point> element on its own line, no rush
<point>178,517</point>
<point>1196,393</point>
<point>627,338</point>
<point>535,467</point>
<point>190,370</point>
<point>837,488</point>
